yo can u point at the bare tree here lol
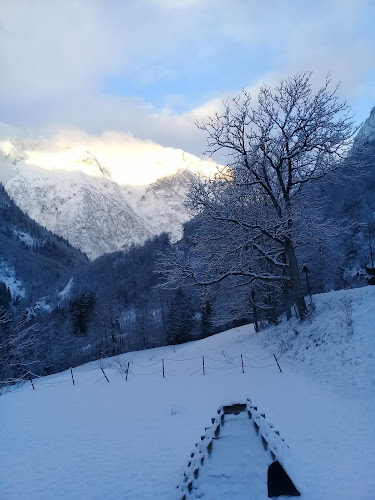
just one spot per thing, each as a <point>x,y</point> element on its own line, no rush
<point>255,212</point>
<point>16,344</point>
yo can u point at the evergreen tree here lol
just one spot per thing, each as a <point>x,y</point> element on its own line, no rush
<point>82,311</point>
<point>5,297</point>
<point>180,320</point>
<point>206,319</point>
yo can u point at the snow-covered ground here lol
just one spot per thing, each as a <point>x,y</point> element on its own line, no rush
<point>132,439</point>
<point>237,466</point>
<point>8,276</point>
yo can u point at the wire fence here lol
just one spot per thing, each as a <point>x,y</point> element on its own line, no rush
<point>168,367</point>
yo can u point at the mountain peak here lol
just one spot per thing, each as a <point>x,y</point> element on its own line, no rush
<point>366,133</point>
<point>89,161</point>
<point>11,153</point>
<point>101,194</point>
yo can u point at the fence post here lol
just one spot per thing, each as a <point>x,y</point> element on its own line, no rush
<point>243,371</point>
<point>274,355</point>
<point>163,368</point>
<point>71,371</point>
<point>104,374</point>
<point>31,380</point>
<point>127,372</point>
<point>203,367</point>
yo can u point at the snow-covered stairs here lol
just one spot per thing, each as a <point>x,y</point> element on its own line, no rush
<point>237,466</point>
<point>234,456</point>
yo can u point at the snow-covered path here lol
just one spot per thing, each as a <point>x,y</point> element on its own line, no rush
<point>237,466</point>
<point>131,440</point>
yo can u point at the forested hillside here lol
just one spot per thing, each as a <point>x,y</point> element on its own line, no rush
<point>354,198</point>
<point>33,262</point>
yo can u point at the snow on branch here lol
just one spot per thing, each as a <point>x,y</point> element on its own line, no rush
<point>17,340</point>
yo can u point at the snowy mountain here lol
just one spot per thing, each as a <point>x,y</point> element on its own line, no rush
<point>162,203</point>
<point>366,134</point>
<point>105,205</point>
<point>92,213</point>
<point>33,261</point>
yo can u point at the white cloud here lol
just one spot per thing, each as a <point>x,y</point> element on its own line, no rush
<point>55,56</point>
<point>51,48</point>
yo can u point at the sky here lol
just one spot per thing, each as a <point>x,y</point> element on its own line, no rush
<point>150,68</point>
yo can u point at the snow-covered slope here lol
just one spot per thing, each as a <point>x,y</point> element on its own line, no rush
<point>336,344</point>
<point>133,439</point>
<point>33,261</point>
<point>104,205</point>
<point>8,276</point>
<point>162,203</point>
<point>92,213</point>
<point>366,134</point>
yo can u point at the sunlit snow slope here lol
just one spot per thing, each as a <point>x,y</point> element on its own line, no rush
<point>103,199</point>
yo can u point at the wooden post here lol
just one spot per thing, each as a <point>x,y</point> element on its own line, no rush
<point>127,372</point>
<point>203,366</point>
<point>274,355</point>
<point>71,371</point>
<point>31,380</point>
<point>163,368</point>
<point>243,371</point>
<point>104,374</point>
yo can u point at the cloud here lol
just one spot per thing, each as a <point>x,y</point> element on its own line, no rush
<point>49,49</point>
<point>151,67</point>
<point>127,160</point>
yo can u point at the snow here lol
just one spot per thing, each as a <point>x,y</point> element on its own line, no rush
<point>26,238</point>
<point>64,203</point>
<point>237,466</point>
<point>133,439</point>
<point>340,334</point>
<point>8,276</point>
<point>136,189</point>
<point>65,293</point>
<point>40,305</point>
<point>367,131</point>
<point>125,215</point>
<point>121,157</point>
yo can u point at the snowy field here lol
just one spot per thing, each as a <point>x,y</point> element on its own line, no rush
<point>132,439</point>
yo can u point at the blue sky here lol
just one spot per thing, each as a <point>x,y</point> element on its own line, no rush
<point>149,68</point>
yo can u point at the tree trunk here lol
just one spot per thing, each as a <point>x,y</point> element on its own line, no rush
<point>295,280</point>
<point>287,301</point>
<point>272,306</point>
<point>255,311</point>
<point>286,294</point>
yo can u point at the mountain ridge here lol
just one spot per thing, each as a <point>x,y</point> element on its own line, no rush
<point>33,261</point>
<point>88,205</point>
